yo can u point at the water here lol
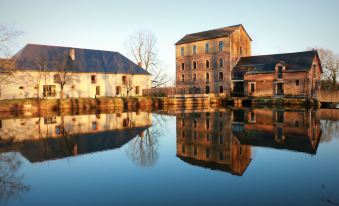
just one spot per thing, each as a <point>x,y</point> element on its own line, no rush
<point>200,157</point>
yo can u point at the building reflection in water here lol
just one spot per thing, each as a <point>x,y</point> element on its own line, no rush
<point>54,137</point>
<point>222,139</point>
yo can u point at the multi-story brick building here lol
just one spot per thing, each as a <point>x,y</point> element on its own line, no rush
<point>204,60</point>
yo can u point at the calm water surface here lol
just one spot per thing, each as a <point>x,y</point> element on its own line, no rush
<point>195,157</point>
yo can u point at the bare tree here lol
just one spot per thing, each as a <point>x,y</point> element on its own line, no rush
<point>127,85</point>
<point>7,39</point>
<point>330,65</point>
<point>62,63</point>
<point>142,46</point>
<point>143,149</point>
<point>10,182</point>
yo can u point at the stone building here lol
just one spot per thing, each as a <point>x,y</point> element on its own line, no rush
<point>55,137</point>
<point>54,72</point>
<point>204,139</point>
<point>296,130</point>
<point>204,60</point>
<point>288,75</point>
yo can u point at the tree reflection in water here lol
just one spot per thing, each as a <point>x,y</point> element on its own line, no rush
<point>143,149</point>
<point>10,183</point>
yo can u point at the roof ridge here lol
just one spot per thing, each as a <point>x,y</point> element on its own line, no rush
<point>236,25</point>
<point>67,47</point>
<point>278,54</point>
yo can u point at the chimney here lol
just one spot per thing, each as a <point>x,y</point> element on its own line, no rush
<point>140,64</point>
<point>72,54</point>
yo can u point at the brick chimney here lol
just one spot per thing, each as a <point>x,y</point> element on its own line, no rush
<point>140,64</point>
<point>72,54</point>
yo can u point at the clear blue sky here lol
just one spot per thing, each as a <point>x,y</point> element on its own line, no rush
<point>275,26</point>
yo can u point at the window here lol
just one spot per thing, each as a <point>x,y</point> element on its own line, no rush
<point>221,155</point>
<point>297,82</point>
<point>183,78</point>
<point>207,64</point>
<point>182,66</point>
<point>296,123</point>
<point>93,79</point>
<point>97,90</point>
<point>194,49</point>
<point>57,78</point>
<point>124,79</point>
<point>221,89</point>
<point>21,88</point>
<point>207,124</point>
<point>207,91</point>
<point>50,120</point>
<point>207,77</point>
<point>137,90</point>
<point>183,149</point>
<point>240,51</point>
<point>195,135</point>
<point>252,89</point>
<point>194,77</point>
<point>49,90</point>
<point>182,123</point>
<point>252,117</point>
<point>58,129</point>
<point>194,124</point>
<point>94,125</point>
<point>194,65</point>
<point>221,45</point>
<point>195,151</point>
<point>182,51</point>
<point>207,48</point>
<point>221,76</point>
<point>280,116</point>
<point>118,90</point>
<point>280,74</point>
<point>221,63</point>
<point>207,153</point>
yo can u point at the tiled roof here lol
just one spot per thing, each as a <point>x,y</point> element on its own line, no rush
<point>300,61</point>
<point>86,60</point>
<point>210,34</point>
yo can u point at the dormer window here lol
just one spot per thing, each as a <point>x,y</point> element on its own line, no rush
<point>314,71</point>
<point>280,72</point>
<point>182,51</point>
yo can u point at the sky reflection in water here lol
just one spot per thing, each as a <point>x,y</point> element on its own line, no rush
<point>219,156</point>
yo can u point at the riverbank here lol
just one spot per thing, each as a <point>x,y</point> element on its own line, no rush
<point>84,104</point>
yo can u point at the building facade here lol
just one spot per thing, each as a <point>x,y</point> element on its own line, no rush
<point>289,75</point>
<point>204,60</point>
<point>53,72</point>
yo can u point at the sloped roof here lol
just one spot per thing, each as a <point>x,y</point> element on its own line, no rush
<point>210,34</point>
<point>299,61</point>
<point>86,60</point>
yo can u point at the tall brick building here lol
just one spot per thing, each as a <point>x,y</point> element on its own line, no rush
<point>204,60</point>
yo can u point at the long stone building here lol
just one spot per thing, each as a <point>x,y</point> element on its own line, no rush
<point>204,60</point>
<point>40,71</point>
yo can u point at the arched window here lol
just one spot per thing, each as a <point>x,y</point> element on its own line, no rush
<point>194,90</point>
<point>194,77</point>
<point>182,78</point>
<point>221,62</point>
<point>207,77</point>
<point>194,65</point>
<point>221,76</point>
<point>207,90</point>
<point>182,66</point>
<point>207,64</point>
<point>221,89</point>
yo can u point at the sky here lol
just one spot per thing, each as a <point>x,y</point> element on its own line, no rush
<point>275,26</point>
